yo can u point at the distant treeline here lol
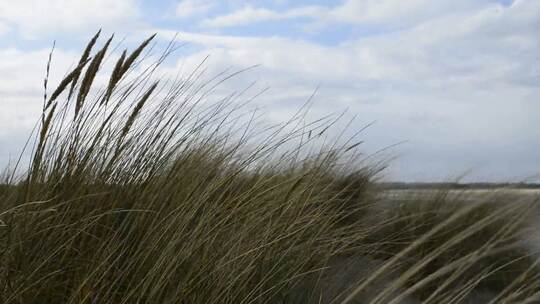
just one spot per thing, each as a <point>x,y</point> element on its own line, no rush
<point>403,185</point>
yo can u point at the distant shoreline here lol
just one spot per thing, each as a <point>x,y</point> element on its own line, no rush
<point>454,186</point>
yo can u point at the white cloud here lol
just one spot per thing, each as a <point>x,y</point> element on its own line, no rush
<point>37,17</point>
<point>3,28</point>
<point>249,14</point>
<point>363,12</point>
<point>482,46</point>
<point>191,8</point>
<point>310,61</point>
<point>21,93</point>
<point>462,87</point>
<point>458,79</point>
<point>396,12</point>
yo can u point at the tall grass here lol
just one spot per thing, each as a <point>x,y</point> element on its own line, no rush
<point>148,190</point>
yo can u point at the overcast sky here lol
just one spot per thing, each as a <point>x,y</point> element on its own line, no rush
<point>459,80</point>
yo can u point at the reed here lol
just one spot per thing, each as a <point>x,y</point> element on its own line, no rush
<point>154,191</point>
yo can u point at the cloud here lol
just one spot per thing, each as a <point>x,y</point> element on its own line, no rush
<point>3,28</point>
<point>396,12</point>
<point>279,54</point>
<point>35,17</point>
<point>392,13</point>
<point>191,8</point>
<point>492,45</point>
<point>21,93</point>
<point>248,14</point>
<point>461,86</point>
<point>458,79</point>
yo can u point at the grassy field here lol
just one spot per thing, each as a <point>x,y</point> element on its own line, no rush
<point>148,190</point>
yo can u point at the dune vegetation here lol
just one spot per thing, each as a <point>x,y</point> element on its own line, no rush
<point>153,190</point>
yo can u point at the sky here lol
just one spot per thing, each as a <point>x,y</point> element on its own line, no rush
<point>455,82</point>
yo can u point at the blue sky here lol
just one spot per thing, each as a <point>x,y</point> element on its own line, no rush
<point>459,80</point>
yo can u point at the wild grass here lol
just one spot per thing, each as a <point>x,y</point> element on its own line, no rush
<point>148,190</point>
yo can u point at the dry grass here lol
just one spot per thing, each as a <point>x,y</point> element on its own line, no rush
<point>146,192</point>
